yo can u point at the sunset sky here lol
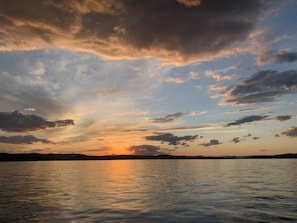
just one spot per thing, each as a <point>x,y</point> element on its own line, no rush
<point>148,77</point>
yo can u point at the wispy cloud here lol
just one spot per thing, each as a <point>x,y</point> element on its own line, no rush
<point>175,80</point>
<point>219,77</point>
<point>180,80</point>
<point>282,117</point>
<point>216,88</point>
<point>172,117</point>
<point>249,110</point>
<point>177,128</point>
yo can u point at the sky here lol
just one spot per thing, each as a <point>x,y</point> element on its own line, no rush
<point>179,77</point>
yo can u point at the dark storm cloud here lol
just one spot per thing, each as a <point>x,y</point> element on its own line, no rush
<point>17,122</point>
<point>171,139</point>
<point>282,117</point>
<point>130,27</point>
<point>212,142</point>
<point>291,132</point>
<point>145,150</point>
<point>247,119</point>
<point>263,86</point>
<point>27,139</point>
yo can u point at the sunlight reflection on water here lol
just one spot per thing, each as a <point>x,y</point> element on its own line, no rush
<point>149,191</point>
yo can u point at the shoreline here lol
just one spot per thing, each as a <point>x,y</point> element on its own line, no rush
<point>7,157</point>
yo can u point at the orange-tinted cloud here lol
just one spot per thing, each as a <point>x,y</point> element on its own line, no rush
<point>177,30</point>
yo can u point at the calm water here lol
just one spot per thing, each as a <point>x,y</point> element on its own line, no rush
<point>149,191</point>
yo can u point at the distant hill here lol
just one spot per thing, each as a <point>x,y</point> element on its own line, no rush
<point>47,157</point>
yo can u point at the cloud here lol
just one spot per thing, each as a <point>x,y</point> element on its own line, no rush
<point>285,57</point>
<point>17,122</point>
<point>249,110</point>
<point>216,88</point>
<point>178,80</point>
<point>291,132</point>
<point>247,119</point>
<point>37,69</point>
<point>235,140</point>
<point>193,75</point>
<point>172,139</point>
<point>190,3</point>
<point>18,91</point>
<point>175,80</point>
<point>168,118</point>
<point>145,150</point>
<point>123,28</point>
<point>282,117</point>
<point>245,137</point>
<point>172,117</point>
<point>27,139</point>
<point>253,109</point>
<point>178,128</point>
<point>212,142</point>
<point>30,109</point>
<point>278,57</point>
<point>262,86</point>
<point>219,77</point>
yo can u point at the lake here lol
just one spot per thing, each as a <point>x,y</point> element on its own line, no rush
<point>165,191</point>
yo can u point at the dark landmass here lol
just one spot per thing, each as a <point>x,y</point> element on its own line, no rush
<point>47,157</point>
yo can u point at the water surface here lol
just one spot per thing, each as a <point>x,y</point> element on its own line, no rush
<point>241,190</point>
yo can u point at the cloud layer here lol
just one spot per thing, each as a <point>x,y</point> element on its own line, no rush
<point>17,122</point>
<point>130,27</point>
